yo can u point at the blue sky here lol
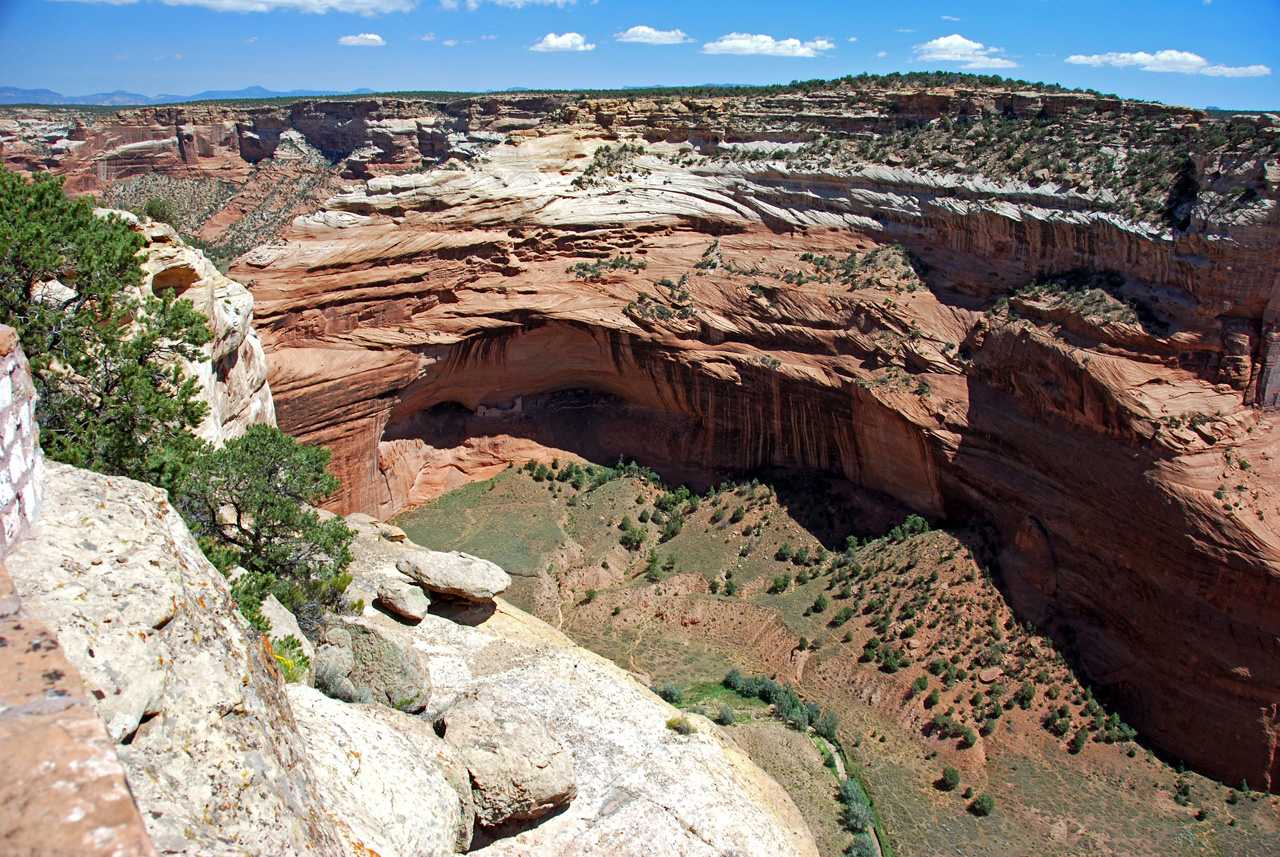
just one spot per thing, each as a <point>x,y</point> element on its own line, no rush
<point>1195,52</point>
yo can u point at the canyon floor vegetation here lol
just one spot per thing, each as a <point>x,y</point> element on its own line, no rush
<point>793,603</point>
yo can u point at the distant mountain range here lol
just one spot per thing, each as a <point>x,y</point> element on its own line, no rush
<point>120,98</point>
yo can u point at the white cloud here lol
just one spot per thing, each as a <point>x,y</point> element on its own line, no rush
<point>956,48</point>
<point>372,40</point>
<point>747,44</point>
<point>472,5</point>
<point>882,53</point>
<point>853,38</point>
<point>1181,62</point>
<point>361,7</point>
<point>252,39</point>
<point>426,37</point>
<point>487,38</point>
<point>449,43</point>
<point>950,18</point>
<point>650,36</point>
<point>904,30</point>
<point>567,42</point>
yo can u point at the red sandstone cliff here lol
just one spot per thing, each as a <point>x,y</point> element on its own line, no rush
<point>417,325</point>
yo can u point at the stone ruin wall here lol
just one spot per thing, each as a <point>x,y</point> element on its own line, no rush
<point>21,461</point>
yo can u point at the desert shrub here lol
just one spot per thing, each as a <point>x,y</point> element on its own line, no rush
<point>826,726</point>
<point>727,715</point>
<point>669,692</point>
<point>857,817</point>
<point>681,725</point>
<point>983,805</point>
<point>843,615</point>
<point>780,583</point>
<point>1079,740</point>
<point>820,604</point>
<point>671,528</point>
<point>291,659</point>
<point>850,792</point>
<point>862,846</point>
<point>733,680</point>
<point>159,209</point>
<point>633,538</point>
<point>950,779</point>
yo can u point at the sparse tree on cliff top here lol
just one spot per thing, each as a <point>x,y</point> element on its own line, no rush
<point>112,395</point>
<point>250,499</point>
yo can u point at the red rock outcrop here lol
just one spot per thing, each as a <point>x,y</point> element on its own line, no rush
<point>1095,446</point>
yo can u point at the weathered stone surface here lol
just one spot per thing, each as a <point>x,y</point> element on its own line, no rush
<point>359,662</point>
<point>63,790</point>
<point>404,599</point>
<point>517,769</point>
<point>458,574</point>
<point>642,789</point>
<point>187,690</point>
<point>392,785</point>
<point>233,375</point>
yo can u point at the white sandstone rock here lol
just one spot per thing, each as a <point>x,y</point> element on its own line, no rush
<point>458,574</point>
<point>518,771</point>
<point>404,599</point>
<point>395,788</point>
<point>213,759</point>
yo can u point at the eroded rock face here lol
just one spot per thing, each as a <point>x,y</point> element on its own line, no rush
<point>187,690</point>
<point>357,662</point>
<point>443,330</point>
<point>518,771</point>
<point>392,786</point>
<point>64,789</point>
<point>641,788</point>
<point>233,375</point>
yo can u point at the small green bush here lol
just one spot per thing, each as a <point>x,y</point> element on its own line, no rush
<point>291,659</point>
<point>681,725</point>
<point>983,805</point>
<point>950,779</point>
<point>159,209</point>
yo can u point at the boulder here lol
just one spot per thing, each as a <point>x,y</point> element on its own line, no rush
<point>396,789</point>
<point>518,770</point>
<point>457,574</point>
<point>404,599</point>
<point>359,663</point>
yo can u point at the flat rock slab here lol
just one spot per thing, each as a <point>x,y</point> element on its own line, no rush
<point>456,574</point>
